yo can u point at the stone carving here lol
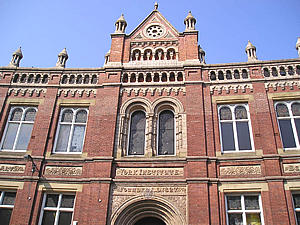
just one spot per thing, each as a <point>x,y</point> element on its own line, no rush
<point>150,172</point>
<point>240,170</point>
<point>282,84</point>
<point>72,92</point>
<point>152,90</point>
<point>291,168</point>
<point>175,194</point>
<point>10,168</point>
<point>29,91</point>
<point>230,87</point>
<point>63,171</point>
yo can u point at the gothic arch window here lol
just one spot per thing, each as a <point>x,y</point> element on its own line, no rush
<point>137,128</point>
<point>166,133</point>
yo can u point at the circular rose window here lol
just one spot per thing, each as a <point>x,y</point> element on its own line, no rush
<point>154,31</point>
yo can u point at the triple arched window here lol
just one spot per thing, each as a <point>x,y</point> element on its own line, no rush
<point>164,133</point>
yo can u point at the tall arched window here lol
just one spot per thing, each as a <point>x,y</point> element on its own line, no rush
<point>166,136</point>
<point>137,133</point>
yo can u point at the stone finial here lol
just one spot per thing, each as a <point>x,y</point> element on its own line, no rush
<point>155,6</point>
<point>16,58</point>
<point>120,24</point>
<point>251,52</point>
<point>62,58</point>
<point>298,46</point>
<point>189,22</point>
<point>201,54</point>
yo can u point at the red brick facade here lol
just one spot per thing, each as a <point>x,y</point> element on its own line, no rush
<point>187,187</point>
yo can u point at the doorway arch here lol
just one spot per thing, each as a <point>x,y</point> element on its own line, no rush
<point>142,209</point>
<point>150,221</point>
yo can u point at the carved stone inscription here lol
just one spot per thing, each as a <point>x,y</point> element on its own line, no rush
<point>240,170</point>
<point>63,171</point>
<point>150,172</point>
<point>160,190</point>
<point>10,168</point>
<point>291,168</point>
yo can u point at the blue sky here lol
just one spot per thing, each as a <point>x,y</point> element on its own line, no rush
<point>44,27</point>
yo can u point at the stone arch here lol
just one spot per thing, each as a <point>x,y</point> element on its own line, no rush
<point>140,207</point>
<point>171,102</point>
<point>129,105</point>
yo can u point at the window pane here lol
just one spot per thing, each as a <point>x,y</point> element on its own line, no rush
<point>49,218</point>
<point>297,123</point>
<point>240,113</point>
<point>234,202</point>
<point>287,133</point>
<point>63,138</point>
<point>51,200</point>
<point>9,198</point>
<point>251,202</point>
<point>227,136</point>
<point>298,217</point>
<point>81,116</point>
<point>5,215</point>
<point>30,115</point>
<point>282,110</point>
<point>10,136</point>
<point>24,136</point>
<point>243,135</point>
<point>296,109</point>
<point>235,219</point>
<point>253,218</point>
<point>65,218</point>
<point>67,201</point>
<point>16,115</point>
<point>166,133</point>
<point>296,199</point>
<point>77,139</point>
<point>225,113</point>
<point>137,133</point>
<point>67,116</point>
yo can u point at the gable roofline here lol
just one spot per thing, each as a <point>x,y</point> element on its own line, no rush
<point>145,20</point>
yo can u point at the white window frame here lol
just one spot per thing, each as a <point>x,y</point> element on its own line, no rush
<point>233,121</point>
<point>295,209</point>
<point>129,132</point>
<point>57,209</point>
<point>292,119</point>
<point>157,133</point>
<point>75,110</point>
<point>2,198</point>
<point>21,122</point>
<point>243,211</point>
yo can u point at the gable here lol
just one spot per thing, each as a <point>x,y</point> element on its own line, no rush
<point>154,26</point>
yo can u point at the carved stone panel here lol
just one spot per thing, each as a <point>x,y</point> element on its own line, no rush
<point>240,170</point>
<point>150,172</point>
<point>176,194</point>
<point>63,171</point>
<point>291,168</point>
<point>12,168</point>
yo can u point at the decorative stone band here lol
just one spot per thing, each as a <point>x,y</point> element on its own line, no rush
<point>291,168</point>
<point>132,91</point>
<point>150,172</point>
<point>283,85</point>
<point>80,92</point>
<point>153,190</point>
<point>230,88</point>
<point>30,91</point>
<point>11,168</point>
<point>240,170</point>
<point>63,171</point>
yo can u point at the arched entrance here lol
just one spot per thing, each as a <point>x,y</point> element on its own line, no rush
<point>150,221</point>
<point>145,211</point>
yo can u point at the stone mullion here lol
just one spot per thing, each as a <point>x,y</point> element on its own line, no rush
<point>124,134</point>
<point>154,135</point>
<point>149,135</point>
<point>178,129</point>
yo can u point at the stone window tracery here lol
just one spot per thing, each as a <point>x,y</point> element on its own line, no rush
<point>154,31</point>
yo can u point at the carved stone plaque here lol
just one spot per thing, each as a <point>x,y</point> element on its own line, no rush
<point>291,168</point>
<point>150,172</point>
<point>12,168</point>
<point>63,171</point>
<point>240,170</point>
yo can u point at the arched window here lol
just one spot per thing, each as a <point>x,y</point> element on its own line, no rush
<point>64,79</point>
<point>23,78</point>
<point>45,79</point>
<point>125,78</point>
<point>179,77</point>
<point>291,70</point>
<point>164,77</point>
<point>72,79</point>
<point>235,128</point>
<point>172,76</point>
<point>266,72</point>
<point>137,133</point>
<point>71,130</point>
<point>282,71</point>
<point>141,77</point>
<point>18,129</point>
<point>228,75</point>
<point>148,77</point>
<point>220,75</point>
<point>86,79</point>
<point>79,79</point>
<point>244,74</point>
<point>156,77</point>
<point>274,72</point>
<point>213,75</point>
<point>288,116</point>
<point>166,133</point>
<point>16,78</point>
<point>236,74</point>
<point>132,77</point>
<point>37,78</point>
<point>94,79</point>
<point>30,78</point>
<point>298,70</point>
